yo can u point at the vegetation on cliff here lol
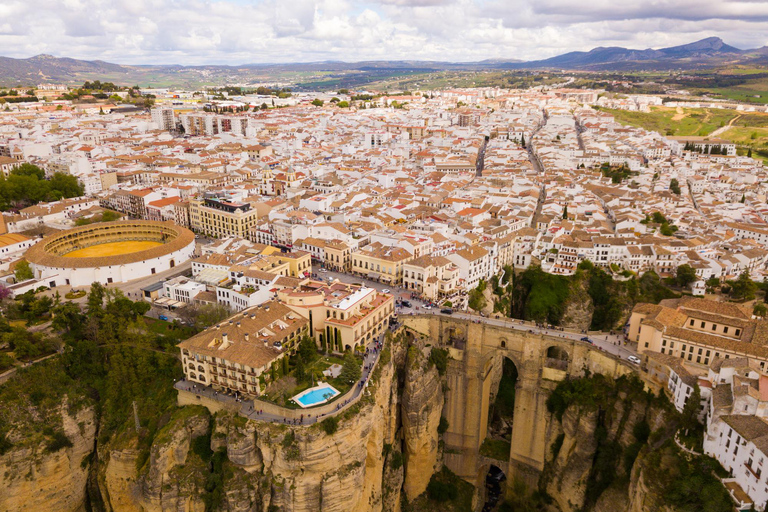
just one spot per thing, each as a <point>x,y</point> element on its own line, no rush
<point>633,427</point>
<point>111,357</point>
<point>542,297</point>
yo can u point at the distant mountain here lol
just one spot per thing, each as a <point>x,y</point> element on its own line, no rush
<point>707,52</point>
<point>46,68</point>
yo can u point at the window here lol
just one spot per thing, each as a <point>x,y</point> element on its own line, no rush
<point>714,327</point>
<point>703,324</point>
<point>692,322</point>
<point>738,332</point>
<point>725,329</point>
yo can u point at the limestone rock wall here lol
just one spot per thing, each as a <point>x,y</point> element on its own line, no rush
<point>34,479</point>
<point>422,408</point>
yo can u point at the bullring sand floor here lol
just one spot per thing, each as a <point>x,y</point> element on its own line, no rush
<point>112,249</point>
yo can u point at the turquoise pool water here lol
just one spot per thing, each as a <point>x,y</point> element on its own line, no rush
<point>316,396</point>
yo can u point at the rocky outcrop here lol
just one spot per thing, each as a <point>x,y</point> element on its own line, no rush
<point>421,411</point>
<point>295,469</point>
<point>570,469</point>
<point>35,478</point>
<point>601,432</point>
<point>578,308</point>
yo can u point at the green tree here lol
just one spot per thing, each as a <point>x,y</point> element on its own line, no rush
<point>565,212</point>
<point>685,275</point>
<point>674,186</point>
<point>476,300</point>
<point>351,370</point>
<point>307,350</point>
<point>23,271</point>
<point>690,414</point>
<point>749,153</point>
<point>300,371</point>
<point>712,283</point>
<point>317,102</point>
<point>522,140</point>
<point>743,288</point>
<point>760,309</point>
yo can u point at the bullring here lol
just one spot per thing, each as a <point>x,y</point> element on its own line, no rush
<point>110,252</point>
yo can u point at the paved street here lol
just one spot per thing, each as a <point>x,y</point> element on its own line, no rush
<point>613,344</point>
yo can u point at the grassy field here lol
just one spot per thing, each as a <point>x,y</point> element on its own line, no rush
<point>676,121</point>
<point>751,136</point>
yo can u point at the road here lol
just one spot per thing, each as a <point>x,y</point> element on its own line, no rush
<point>612,344</point>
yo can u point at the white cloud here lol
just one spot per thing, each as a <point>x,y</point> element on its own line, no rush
<point>243,31</point>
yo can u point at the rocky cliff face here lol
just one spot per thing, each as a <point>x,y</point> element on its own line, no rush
<point>592,446</point>
<point>36,478</point>
<point>385,444</point>
<point>422,407</point>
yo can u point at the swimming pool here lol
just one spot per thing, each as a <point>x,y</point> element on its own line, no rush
<point>316,395</point>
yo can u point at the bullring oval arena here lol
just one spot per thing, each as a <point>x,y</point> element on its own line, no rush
<point>110,252</point>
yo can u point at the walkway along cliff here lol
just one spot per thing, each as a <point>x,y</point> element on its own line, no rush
<point>425,409</point>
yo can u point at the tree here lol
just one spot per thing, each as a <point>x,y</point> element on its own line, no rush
<point>760,309</point>
<point>565,212</point>
<point>351,370</point>
<point>743,288</point>
<point>317,102</point>
<point>685,275</point>
<point>343,104</point>
<point>522,140</point>
<point>23,271</point>
<point>307,350</point>
<point>674,186</point>
<point>749,153</point>
<point>300,372</point>
<point>690,414</point>
<point>476,300</point>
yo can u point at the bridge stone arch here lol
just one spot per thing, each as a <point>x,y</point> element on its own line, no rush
<point>476,350</point>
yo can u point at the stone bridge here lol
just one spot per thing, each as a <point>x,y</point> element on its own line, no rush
<point>477,353</point>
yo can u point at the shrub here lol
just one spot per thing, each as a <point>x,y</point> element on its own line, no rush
<point>442,428</point>
<point>330,425</point>
<point>441,491</point>
<point>396,462</point>
<point>58,441</point>
<point>439,357</point>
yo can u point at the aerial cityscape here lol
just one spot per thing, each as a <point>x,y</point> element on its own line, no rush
<point>328,256</point>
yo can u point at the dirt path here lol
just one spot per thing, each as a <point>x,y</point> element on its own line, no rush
<point>726,127</point>
<point>679,114</point>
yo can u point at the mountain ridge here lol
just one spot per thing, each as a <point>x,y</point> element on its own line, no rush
<point>707,52</point>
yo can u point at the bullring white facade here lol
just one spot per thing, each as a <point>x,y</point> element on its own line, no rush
<point>54,269</point>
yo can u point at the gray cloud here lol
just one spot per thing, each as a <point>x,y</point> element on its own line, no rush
<point>244,31</point>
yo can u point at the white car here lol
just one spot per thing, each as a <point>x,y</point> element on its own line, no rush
<point>386,290</point>
<point>634,359</point>
<point>323,270</point>
<point>427,306</point>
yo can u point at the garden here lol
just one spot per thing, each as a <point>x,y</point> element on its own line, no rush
<point>298,372</point>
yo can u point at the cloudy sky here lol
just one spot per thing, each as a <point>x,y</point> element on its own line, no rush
<point>261,31</point>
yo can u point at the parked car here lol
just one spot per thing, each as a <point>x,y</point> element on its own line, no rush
<point>386,290</point>
<point>446,311</point>
<point>163,317</point>
<point>634,359</point>
<point>323,270</point>
<point>406,304</point>
<point>427,306</point>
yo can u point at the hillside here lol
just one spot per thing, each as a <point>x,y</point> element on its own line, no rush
<point>708,52</point>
